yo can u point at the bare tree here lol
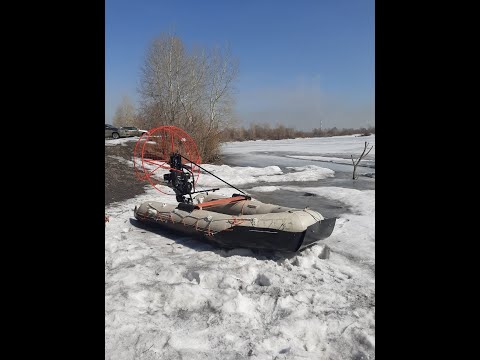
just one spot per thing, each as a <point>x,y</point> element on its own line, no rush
<point>191,86</point>
<point>222,70</point>
<point>190,89</point>
<point>161,74</point>
<point>125,114</point>
<point>355,163</point>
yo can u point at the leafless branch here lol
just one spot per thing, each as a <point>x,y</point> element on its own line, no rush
<point>362,155</point>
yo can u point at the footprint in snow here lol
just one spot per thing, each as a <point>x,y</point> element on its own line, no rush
<point>263,280</point>
<point>192,275</point>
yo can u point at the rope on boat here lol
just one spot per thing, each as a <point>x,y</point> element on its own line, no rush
<point>233,221</point>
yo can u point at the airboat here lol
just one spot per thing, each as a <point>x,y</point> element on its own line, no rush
<point>168,158</point>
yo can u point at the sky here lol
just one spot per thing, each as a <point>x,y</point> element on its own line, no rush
<point>304,64</point>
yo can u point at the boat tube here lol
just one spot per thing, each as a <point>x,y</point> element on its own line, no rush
<point>240,221</point>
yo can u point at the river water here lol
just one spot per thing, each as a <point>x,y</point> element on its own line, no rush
<point>327,207</point>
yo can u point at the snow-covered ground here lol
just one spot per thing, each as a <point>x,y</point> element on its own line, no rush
<point>330,152</point>
<point>346,145</point>
<point>169,296</point>
<point>121,141</point>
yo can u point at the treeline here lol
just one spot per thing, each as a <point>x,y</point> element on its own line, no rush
<point>266,132</point>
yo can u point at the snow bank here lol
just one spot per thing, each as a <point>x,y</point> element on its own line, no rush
<point>170,296</point>
<point>237,175</point>
<point>121,141</point>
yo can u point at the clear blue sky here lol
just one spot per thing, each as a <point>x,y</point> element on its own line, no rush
<point>300,62</point>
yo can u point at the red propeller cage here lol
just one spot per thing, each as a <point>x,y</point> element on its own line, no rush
<point>152,154</point>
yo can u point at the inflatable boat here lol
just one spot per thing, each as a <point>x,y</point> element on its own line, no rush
<point>240,221</point>
<point>231,222</point>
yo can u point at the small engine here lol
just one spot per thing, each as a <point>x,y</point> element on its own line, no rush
<point>180,180</point>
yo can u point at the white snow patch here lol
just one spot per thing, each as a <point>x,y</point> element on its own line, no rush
<point>237,175</point>
<point>265,188</point>
<point>121,141</point>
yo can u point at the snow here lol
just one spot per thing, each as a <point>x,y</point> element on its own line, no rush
<point>331,159</point>
<point>169,296</point>
<point>340,145</point>
<point>121,141</point>
<point>122,160</point>
<point>239,175</point>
